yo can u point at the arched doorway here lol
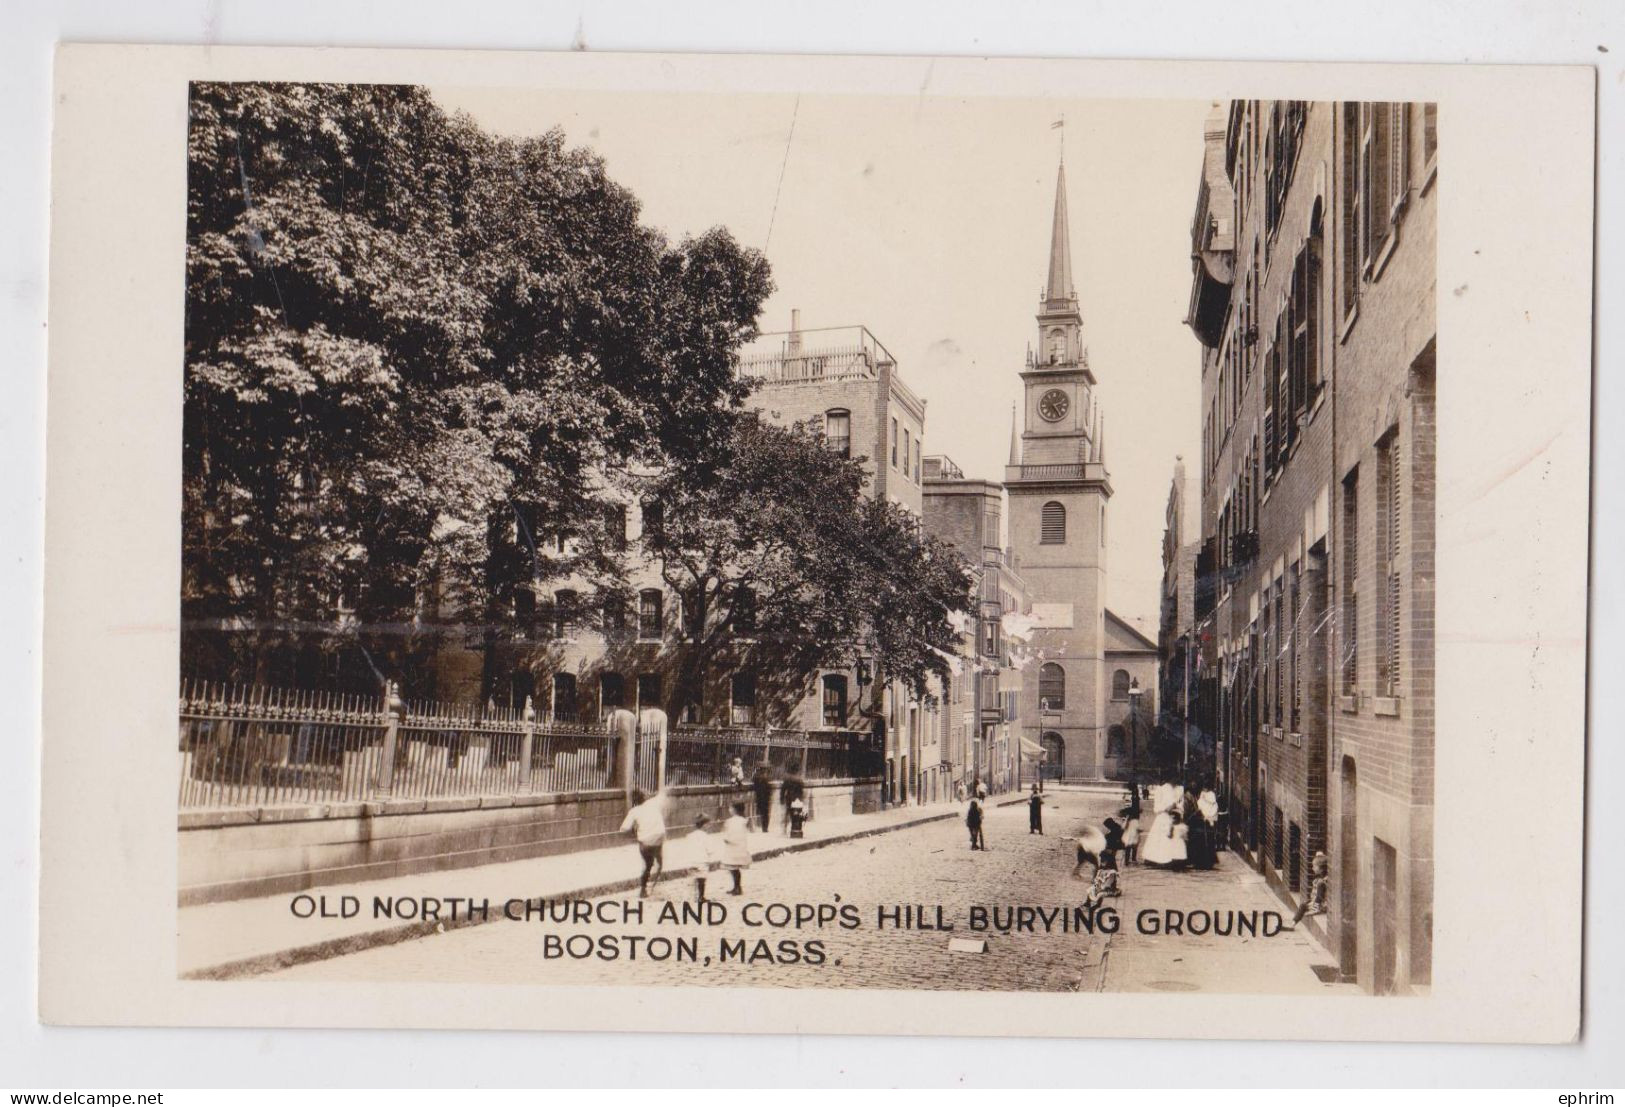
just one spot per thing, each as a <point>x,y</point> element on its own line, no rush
<point>1348,903</point>
<point>1053,766</point>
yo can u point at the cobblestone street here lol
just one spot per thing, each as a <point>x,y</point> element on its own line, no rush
<point>924,867</point>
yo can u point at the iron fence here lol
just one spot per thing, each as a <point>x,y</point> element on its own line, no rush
<point>250,746</point>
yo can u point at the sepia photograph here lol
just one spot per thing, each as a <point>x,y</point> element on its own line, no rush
<point>807,540</point>
<point>793,545</point>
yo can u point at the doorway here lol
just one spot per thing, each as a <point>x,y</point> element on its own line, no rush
<point>1053,766</point>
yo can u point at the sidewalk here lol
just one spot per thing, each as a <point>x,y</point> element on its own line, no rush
<point>244,937</point>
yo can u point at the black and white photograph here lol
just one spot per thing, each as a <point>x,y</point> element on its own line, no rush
<point>749,542</point>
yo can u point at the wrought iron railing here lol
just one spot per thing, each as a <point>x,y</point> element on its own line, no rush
<point>249,746</point>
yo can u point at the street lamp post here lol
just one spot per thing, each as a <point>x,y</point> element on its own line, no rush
<point>1134,694</point>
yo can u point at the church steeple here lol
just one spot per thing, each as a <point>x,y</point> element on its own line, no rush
<point>1058,290</point>
<point>1060,325</point>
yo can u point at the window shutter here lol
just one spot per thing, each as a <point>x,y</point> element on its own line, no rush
<point>1393,567</point>
<point>1399,140</point>
<point>1348,240</point>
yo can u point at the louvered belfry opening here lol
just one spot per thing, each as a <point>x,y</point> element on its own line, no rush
<point>1052,524</point>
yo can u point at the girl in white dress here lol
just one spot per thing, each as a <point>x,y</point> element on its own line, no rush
<point>1163,844</point>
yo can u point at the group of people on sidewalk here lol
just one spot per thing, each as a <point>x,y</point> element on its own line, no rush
<point>701,852</point>
<point>1184,827</point>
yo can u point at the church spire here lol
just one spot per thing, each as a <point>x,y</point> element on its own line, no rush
<point>1015,439</point>
<point>1058,289</point>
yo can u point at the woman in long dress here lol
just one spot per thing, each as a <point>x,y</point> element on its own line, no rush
<point>1163,845</point>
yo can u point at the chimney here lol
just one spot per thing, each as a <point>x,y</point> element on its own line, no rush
<point>793,346</point>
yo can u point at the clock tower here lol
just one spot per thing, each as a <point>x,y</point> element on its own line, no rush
<point>1058,489</point>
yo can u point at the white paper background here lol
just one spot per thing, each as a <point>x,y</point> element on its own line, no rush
<point>1439,32</point>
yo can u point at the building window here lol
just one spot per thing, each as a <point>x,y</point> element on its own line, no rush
<point>838,431</point>
<point>615,526</point>
<point>1120,684</point>
<point>742,699</point>
<point>1388,535</point>
<point>691,609</point>
<point>526,518</point>
<point>611,692</point>
<point>1051,687</point>
<point>1349,224</point>
<point>1052,524</point>
<point>564,696</point>
<point>614,615</point>
<point>1298,349</point>
<point>1294,863</point>
<point>835,700</point>
<point>916,461</point>
<point>693,692</point>
<point>649,689</point>
<point>524,607</point>
<point>654,516</point>
<point>1351,584</point>
<point>1381,130</point>
<point>564,612</point>
<point>743,612</point>
<point>651,609</point>
<point>990,636</point>
<point>1116,741</point>
<point>906,454</point>
<point>1286,128</point>
<point>1295,677</point>
<point>894,443</point>
<point>1283,643</point>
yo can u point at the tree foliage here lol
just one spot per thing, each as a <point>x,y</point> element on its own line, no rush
<point>407,339</point>
<point>779,556</point>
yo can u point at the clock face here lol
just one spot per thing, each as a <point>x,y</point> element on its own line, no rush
<point>1053,405</point>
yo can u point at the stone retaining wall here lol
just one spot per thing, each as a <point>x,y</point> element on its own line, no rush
<point>239,854</point>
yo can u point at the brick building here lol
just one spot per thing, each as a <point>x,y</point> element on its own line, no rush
<point>981,699</point>
<point>577,663</point>
<point>1313,297</point>
<point>1176,624</point>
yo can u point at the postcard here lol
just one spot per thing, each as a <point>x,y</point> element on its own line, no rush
<point>816,544</point>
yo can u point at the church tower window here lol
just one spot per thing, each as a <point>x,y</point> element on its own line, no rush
<point>1051,687</point>
<point>1052,525</point>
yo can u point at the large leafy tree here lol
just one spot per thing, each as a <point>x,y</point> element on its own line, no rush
<point>410,346</point>
<point>780,561</point>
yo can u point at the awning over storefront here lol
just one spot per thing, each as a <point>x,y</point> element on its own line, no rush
<point>1031,750</point>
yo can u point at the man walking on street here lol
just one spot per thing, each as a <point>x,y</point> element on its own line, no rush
<point>973,820</point>
<point>647,822</point>
<point>1035,812</point>
<point>762,783</point>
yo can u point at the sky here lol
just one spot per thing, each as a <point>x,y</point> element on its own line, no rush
<point>927,219</point>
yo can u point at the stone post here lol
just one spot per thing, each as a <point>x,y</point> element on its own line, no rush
<point>528,745</point>
<point>393,710</point>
